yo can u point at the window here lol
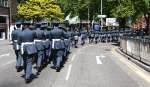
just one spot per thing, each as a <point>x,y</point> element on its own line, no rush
<point>2,19</point>
<point>4,3</point>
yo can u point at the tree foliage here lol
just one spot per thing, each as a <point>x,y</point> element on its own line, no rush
<point>75,7</point>
<point>40,9</point>
<point>123,9</point>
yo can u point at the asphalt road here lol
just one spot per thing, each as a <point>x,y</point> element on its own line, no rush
<point>88,66</point>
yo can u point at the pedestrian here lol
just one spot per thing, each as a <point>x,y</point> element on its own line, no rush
<point>39,37</point>
<point>46,44</point>
<point>48,52</point>
<point>56,36</point>
<point>28,49</point>
<point>83,37</point>
<point>76,38</point>
<point>96,36</point>
<point>16,46</point>
<point>91,36</point>
<point>67,40</point>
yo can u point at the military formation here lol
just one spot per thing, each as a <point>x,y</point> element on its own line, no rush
<point>39,45</point>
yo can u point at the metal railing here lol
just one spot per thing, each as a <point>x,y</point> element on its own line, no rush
<point>138,48</point>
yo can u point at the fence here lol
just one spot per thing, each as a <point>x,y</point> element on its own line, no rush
<point>137,48</point>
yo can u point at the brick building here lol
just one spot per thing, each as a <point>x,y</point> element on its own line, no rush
<point>8,9</point>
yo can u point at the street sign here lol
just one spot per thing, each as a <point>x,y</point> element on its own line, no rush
<point>110,21</point>
<point>116,24</point>
<point>101,16</point>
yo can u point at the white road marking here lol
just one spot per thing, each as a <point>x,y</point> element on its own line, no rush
<point>133,67</point>
<point>8,63</point>
<point>98,60</point>
<point>4,55</point>
<point>68,72</point>
<point>73,57</point>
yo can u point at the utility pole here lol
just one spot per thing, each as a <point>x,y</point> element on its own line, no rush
<point>149,20</point>
<point>101,14</point>
<point>9,18</point>
<point>88,17</point>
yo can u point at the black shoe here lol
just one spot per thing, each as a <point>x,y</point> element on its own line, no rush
<point>53,67</point>
<point>39,69</point>
<point>28,80</point>
<point>19,69</point>
<point>37,73</point>
<point>57,69</point>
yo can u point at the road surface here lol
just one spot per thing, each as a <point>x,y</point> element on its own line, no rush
<point>88,66</point>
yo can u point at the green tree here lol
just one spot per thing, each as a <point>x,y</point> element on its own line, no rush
<point>142,9</point>
<point>40,9</point>
<point>122,9</point>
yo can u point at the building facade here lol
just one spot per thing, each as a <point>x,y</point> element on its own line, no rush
<point>8,8</point>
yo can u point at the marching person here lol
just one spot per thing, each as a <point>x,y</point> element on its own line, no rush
<point>76,38</point>
<point>69,37</point>
<point>83,37</point>
<point>16,46</point>
<point>91,37</point>
<point>96,36</point>
<point>67,40</point>
<point>28,49</point>
<point>43,27</point>
<point>58,46</point>
<point>39,37</point>
<point>46,44</point>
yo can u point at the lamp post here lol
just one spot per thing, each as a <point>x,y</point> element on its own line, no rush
<point>101,14</point>
<point>10,17</point>
<point>88,17</point>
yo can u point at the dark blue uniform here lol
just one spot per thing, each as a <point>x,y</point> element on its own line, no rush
<point>96,36</point>
<point>16,47</point>
<point>67,40</point>
<point>91,37</point>
<point>28,49</point>
<point>39,37</point>
<point>56,36</point>
<point>47,47</point>
<point>76,38</point>
<point>83,37</point>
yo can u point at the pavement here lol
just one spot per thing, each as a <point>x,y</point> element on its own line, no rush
<point>92,65</point>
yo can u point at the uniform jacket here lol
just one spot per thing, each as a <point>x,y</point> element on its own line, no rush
<point>46,43</point>
<point>39,35</point>
<point>57,33</point>
<point>15,34</point>
<point>25,36</point>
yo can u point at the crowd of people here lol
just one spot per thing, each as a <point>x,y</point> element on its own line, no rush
<point>42,45</point>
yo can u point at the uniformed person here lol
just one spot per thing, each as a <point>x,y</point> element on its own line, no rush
<point>96,36</point>
<point>71,37</point>
<point>76,38</point>
<point>28,49</point>
<point>48,50</point>
<point>46,44</point>
<point>16,46</point>
<point>83,37</point>
<point>39,37</point>
<point>91,37</point>
<point>67,40</point>
<point>56,36</point>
